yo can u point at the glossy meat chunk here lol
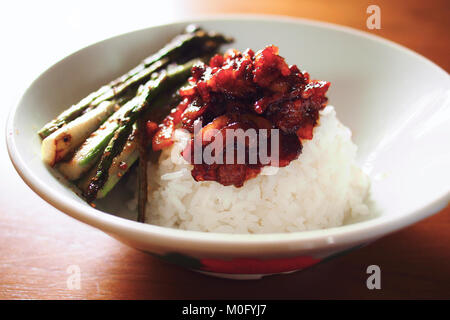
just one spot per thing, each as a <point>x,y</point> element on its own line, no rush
<point>244,91</point>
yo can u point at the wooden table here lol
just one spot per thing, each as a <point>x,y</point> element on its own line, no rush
<point>38,243</point>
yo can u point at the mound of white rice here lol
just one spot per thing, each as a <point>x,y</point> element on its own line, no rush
<point>321,189</point>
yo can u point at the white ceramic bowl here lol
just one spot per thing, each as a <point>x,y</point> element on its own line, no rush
<point>395,101</point>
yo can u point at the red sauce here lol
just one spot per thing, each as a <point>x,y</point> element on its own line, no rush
<point>245,90</point>
<point>123,165</point>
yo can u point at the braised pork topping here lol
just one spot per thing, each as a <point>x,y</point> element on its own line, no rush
<point>245,92</point>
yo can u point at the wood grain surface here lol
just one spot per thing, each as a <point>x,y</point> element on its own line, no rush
<point>38,243</point>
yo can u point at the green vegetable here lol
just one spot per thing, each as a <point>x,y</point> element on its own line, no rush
<point>66,139</point>
<point>130,153</point>
<point>195,42</point>
<point>141,103</point>
<point>120,165</point>
<point>90,151</point>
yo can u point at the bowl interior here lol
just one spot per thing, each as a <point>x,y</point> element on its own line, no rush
<point>395,102</point>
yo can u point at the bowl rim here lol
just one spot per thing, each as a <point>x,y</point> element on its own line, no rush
<point>117,226</point>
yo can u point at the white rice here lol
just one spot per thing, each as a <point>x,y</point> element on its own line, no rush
<point>321,189</point>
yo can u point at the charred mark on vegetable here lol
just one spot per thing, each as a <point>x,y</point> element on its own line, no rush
<point>67,138</point>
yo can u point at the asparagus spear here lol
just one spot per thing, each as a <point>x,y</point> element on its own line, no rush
<point>90,151</point>
<point>186,46</point>
<point>63,141</point>
<point>152,89</point>
<point>120,165</point>
<point>129,154</point>
<point>94,99</point>
<point>87,155</point>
